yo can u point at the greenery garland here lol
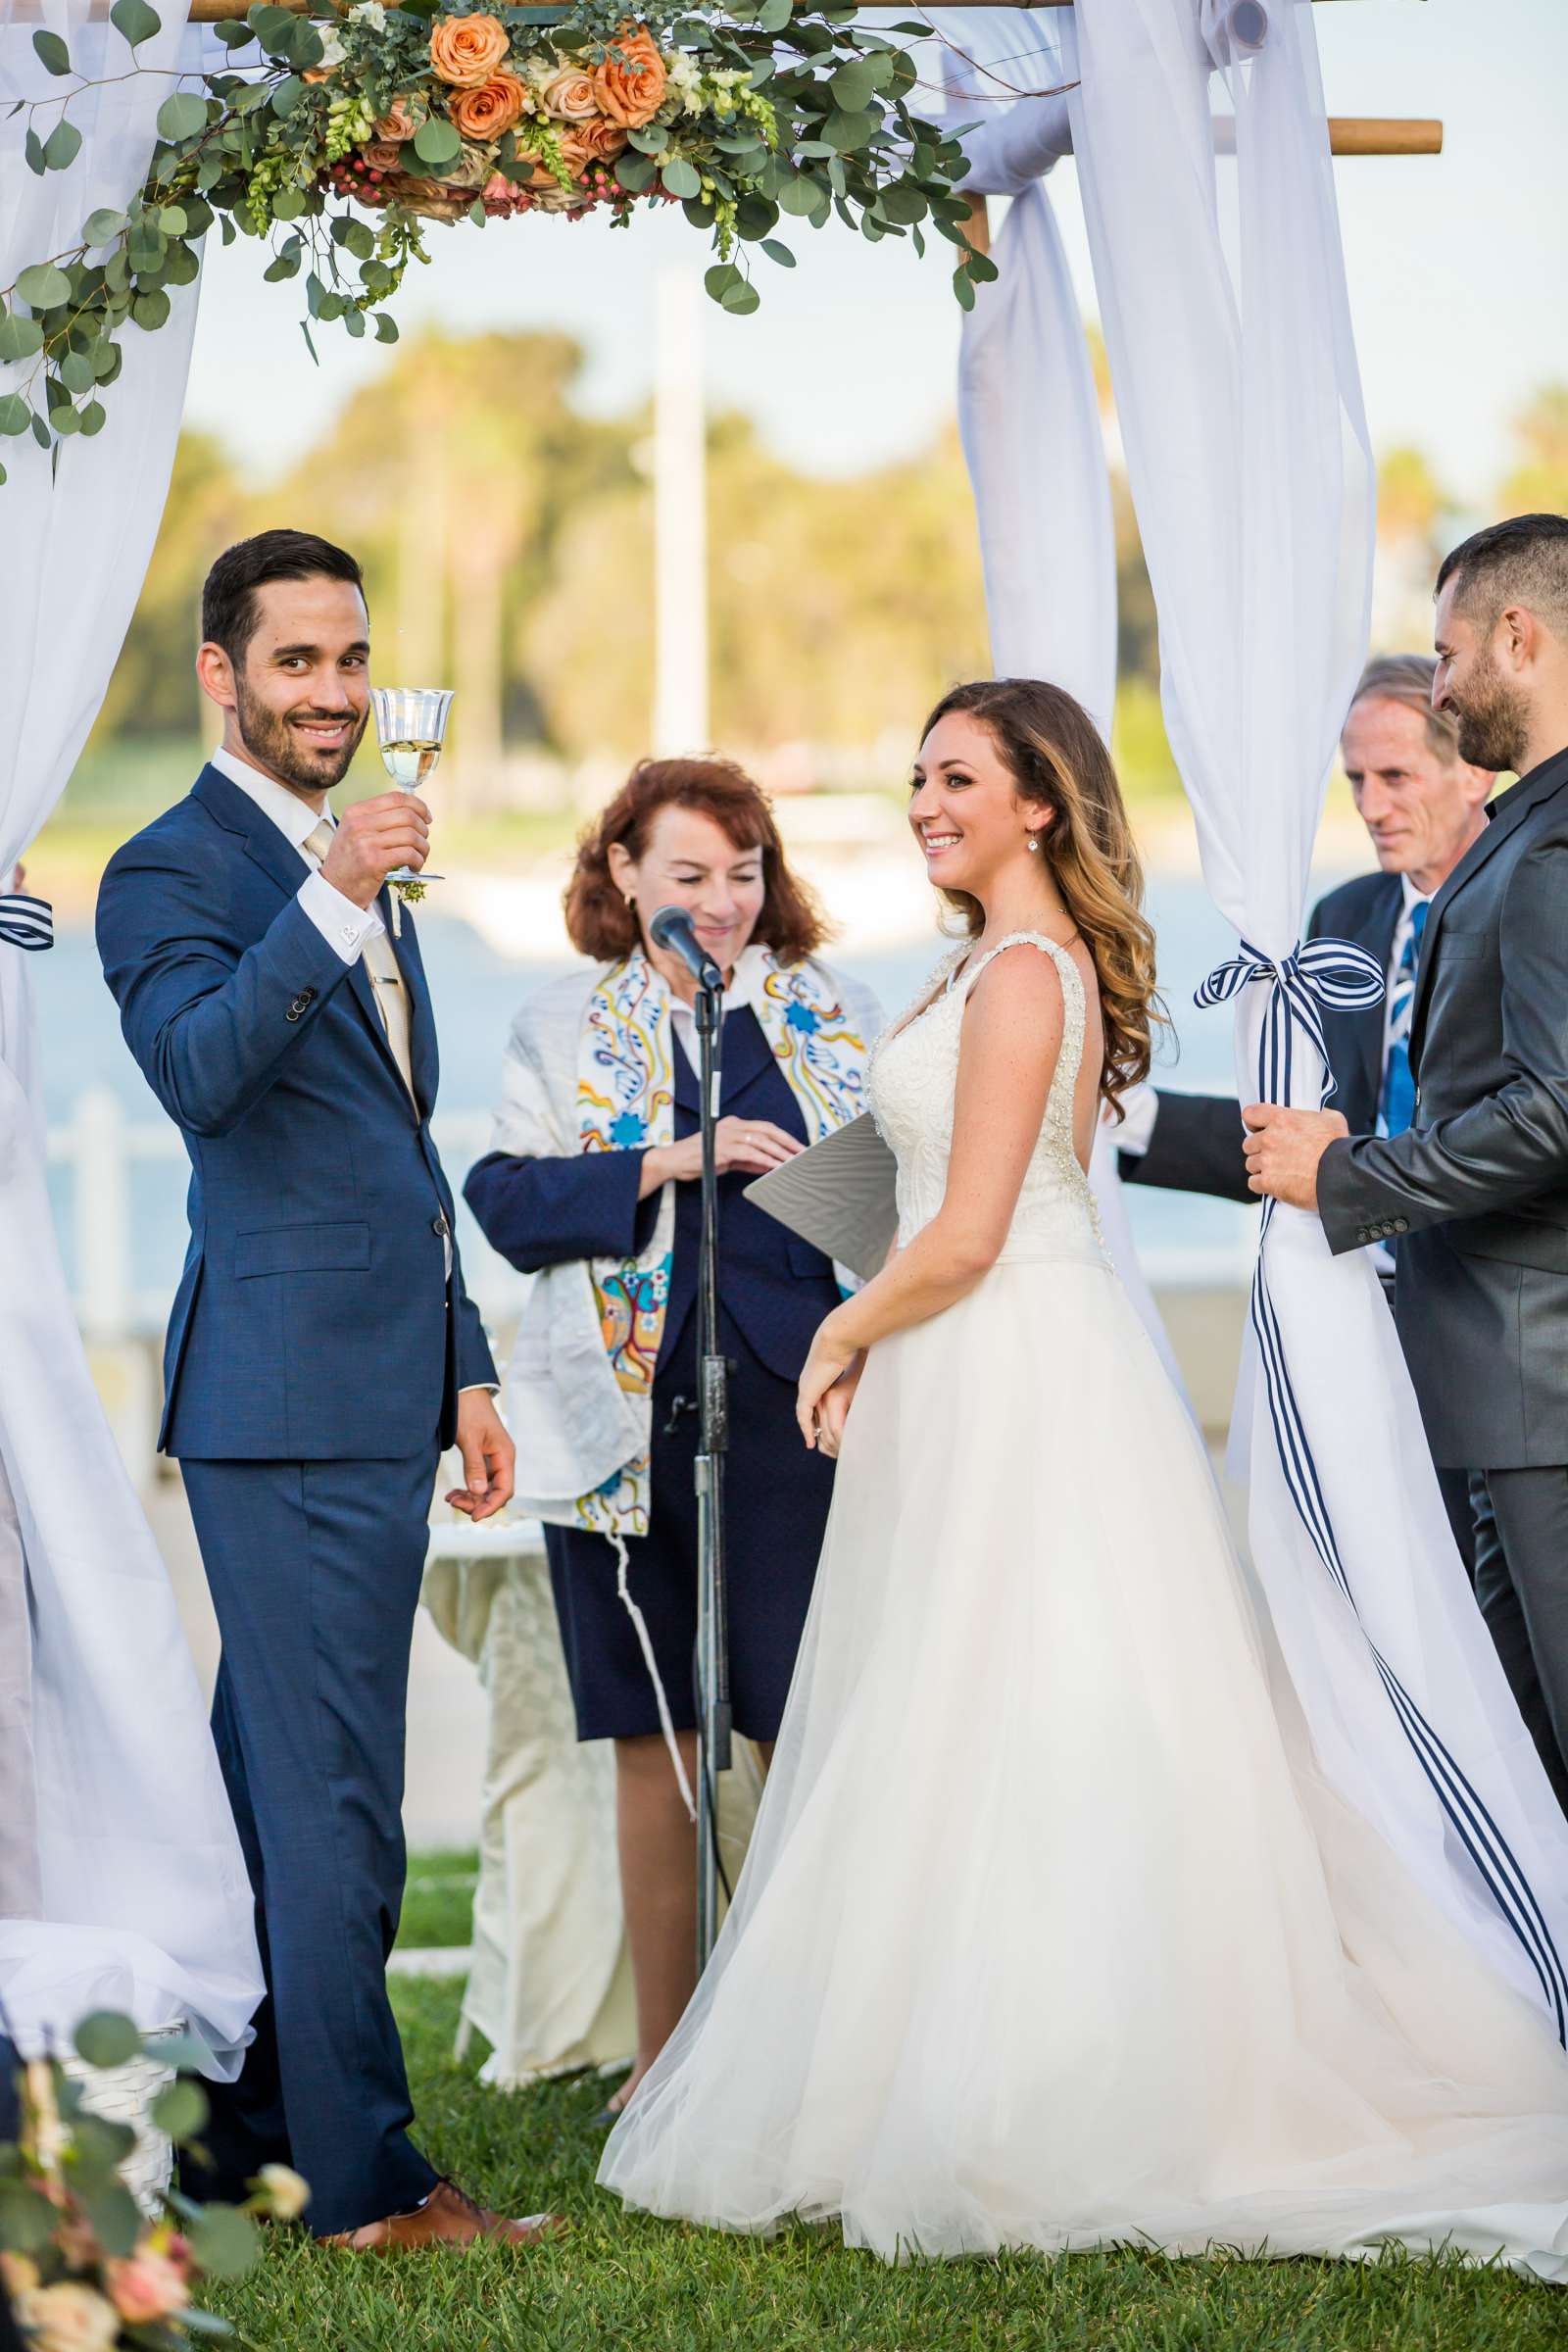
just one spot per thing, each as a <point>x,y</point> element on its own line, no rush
<point>342,131</point>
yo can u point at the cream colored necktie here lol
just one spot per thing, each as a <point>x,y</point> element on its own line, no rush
<point>381,962</point>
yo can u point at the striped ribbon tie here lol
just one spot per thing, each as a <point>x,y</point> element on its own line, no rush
<point>1323,975</point>
<point>1335,975</point>
<point>27,922</point>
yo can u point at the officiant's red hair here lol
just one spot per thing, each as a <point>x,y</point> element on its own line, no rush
<point>598,920</point>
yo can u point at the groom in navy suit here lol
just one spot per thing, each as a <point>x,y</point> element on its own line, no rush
<point>320,1354</point>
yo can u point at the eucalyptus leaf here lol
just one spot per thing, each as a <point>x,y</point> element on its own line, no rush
<point>271,26</point>
<point>680,177</point>
<point>436,142</point>
<point>182,116</point>
<point>172,221</point>
<point>92,418</point>
<point>847,131</point>
<point>302,44</point>
<point>149,311</point>
<point>113,2211</point>
<point>53,55</point>
<point>44,287</point>
<point>635,173</point>
<point>103,227</point>
<point>226,229</point>
<point>755,215</point>
<point>386,327</point>
<point>779,251</point>
<point>40,431</point>
<point>233,33</point>
<point>26,2217</point>
<point>181,2109</point>
<point>649,141</point>
<point>20,339</point>
<point>903,201</point>
<point>76,372</point>
<point>288,204</point>
<point>288,95</point>
<point>854,84</point>
<point>225,2241</point>
<point>963,289</point>
<point>801,195</point>
<point>134,21</point>
<point>183,266</point>
<point>354,321</point>
<point>773,15</point>
<point>106,361</point>
<point>33,149</point>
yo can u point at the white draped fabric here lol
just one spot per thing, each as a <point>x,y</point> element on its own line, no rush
<point>133,1892</point>
<point>1223,300</point>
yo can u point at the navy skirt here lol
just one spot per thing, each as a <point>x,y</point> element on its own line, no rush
<point>776,1504</point>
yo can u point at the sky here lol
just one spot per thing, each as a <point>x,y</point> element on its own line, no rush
<point>1457,268</point>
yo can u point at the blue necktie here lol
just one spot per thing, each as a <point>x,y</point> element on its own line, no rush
<point>1398,1087</point>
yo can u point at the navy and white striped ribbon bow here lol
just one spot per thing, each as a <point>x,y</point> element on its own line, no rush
<point>27,922</point>
<point>1323,975</point>
<point>1335,975</point>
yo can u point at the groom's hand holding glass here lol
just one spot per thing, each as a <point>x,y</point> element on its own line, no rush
<point>374,839</point>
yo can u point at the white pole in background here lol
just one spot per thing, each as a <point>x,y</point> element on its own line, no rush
<point>680,520</point>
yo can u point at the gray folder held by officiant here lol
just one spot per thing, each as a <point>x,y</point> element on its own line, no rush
<point>840,1193</point>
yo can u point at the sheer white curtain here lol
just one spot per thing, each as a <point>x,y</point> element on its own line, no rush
<point>133,1892</point>
<point>1223,298</point>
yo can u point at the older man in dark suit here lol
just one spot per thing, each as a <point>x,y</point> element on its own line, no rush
<point>1422,804</point>
<point>1476,1189</point>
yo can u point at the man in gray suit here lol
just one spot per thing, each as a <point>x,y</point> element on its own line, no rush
<point>1422,805</point>
<point>1476,1190</point>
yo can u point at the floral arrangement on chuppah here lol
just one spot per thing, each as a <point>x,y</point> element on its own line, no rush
<point>334,137</point>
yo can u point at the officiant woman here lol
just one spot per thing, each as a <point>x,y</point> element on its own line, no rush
<point>592,1186</point>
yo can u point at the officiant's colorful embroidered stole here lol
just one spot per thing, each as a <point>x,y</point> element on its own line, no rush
<point>626,1102</point>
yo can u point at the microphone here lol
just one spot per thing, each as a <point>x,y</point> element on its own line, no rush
<point>671,928</point>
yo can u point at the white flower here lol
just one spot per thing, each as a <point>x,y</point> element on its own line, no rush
<point>331,47</point>
<point>685,80</point>
<point>285,2192</point>
<point>369,12</point>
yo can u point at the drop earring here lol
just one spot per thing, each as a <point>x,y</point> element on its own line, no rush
<point>1033,843</point>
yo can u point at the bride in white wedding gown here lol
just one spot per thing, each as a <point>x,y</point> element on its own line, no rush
<point>1051,1934</point>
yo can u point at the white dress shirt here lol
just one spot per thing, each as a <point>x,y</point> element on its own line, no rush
<point>342,925</point>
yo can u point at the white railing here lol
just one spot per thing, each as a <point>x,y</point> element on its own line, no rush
<point>103,1148</point>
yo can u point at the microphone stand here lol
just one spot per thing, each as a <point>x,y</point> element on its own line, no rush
<point>712,1621</point>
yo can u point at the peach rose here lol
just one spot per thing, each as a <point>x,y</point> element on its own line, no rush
<point>68,2318</point>
<point>381,154</point>
<point>596,142</point>
<point>485,112</point>
<point>571,96</point>
<point>631,83</point>
<point>397,122</point>
<point>145,2287</point>
<point>466,50</point>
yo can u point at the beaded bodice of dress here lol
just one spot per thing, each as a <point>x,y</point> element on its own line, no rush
<point>913,1078</point>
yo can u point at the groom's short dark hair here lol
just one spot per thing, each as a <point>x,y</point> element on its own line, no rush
<point>230,614</point>
<point>1521,562</point>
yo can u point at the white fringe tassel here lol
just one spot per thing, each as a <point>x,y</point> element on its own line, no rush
<point>666,1721</point>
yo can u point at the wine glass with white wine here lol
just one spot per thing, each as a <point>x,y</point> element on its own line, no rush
<point>410,726</point>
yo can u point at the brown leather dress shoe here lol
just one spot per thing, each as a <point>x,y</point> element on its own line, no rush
<point>449,2217</point>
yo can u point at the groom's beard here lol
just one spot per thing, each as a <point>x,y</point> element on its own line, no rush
<point>275,743</point>
<point>1493,721</point>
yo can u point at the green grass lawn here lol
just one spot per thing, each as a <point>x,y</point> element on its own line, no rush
<point>622,2283</point>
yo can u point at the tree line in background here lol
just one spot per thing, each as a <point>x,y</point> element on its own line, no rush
<point>508,546</point>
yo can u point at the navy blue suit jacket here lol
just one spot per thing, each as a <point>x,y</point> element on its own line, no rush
<point>313,1320</point>
<point>774,1287</point>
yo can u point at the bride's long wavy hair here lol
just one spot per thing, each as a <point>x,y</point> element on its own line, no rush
<point>1053,753</point>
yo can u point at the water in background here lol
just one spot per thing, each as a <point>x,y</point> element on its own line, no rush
<point>477,990</point>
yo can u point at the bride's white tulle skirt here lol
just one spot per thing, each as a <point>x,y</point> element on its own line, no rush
<point>1050,1935</point>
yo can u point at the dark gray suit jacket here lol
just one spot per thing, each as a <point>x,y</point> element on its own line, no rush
<point>1197,1143</point>
<point>1477,1189</point>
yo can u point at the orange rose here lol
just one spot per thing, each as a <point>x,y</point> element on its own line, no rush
<point>485,112</point>
<point>466,50</point>
<point>631,83</point>
<point>596,142</point>
<point>397,122</point>
<point>381,154</point>
<point>570,97</point>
